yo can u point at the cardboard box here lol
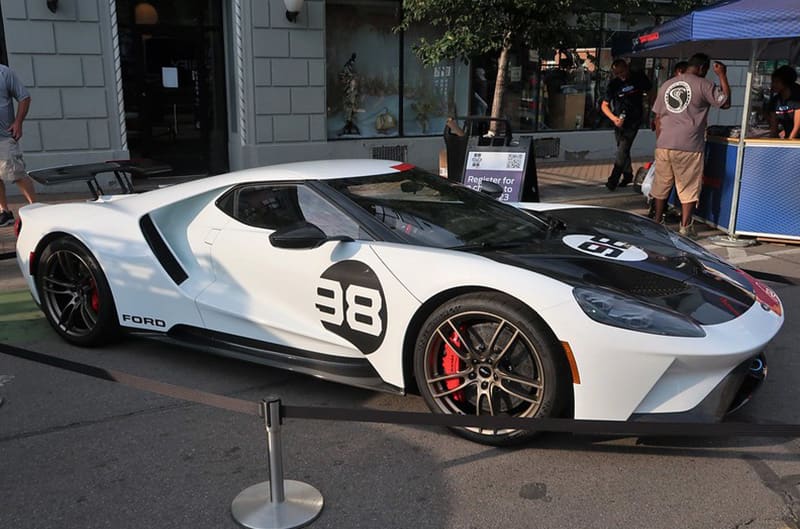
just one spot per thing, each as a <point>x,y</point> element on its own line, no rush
<point>564,110</point>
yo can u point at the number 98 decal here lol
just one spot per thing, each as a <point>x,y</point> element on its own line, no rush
<point>351,304</point>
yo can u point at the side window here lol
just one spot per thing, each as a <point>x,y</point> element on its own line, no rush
<point>277,206</point>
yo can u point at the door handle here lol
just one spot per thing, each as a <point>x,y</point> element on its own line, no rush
<point>211,236</point>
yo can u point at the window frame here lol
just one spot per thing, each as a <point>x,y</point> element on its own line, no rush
<point>325,193</point>
<point>401,79</point>
<point>397,237</point>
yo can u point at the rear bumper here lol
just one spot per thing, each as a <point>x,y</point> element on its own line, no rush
<point>733,392</point>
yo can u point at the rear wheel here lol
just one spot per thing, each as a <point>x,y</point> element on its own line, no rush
<point>488,354</point>
<point>75,295</point>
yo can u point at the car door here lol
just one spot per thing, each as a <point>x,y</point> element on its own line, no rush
<point>329,299</point>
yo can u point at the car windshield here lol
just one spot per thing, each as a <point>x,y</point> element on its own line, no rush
<point>427,210</point>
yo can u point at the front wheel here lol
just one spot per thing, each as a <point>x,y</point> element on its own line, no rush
<point>75,295</point>
<point>488,354</point>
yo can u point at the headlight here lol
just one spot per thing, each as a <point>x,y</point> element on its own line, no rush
<point>612,309</point>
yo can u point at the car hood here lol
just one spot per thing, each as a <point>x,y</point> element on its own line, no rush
<point>629,254</point>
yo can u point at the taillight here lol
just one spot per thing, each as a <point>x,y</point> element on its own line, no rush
<point>32,264</point>
<point>17,226</point>
<point>648,165</point>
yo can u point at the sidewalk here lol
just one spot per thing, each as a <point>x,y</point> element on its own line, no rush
<point>569,181</point>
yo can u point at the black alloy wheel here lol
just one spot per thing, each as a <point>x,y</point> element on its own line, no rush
<point>74,294</point>
<point>488,354</point>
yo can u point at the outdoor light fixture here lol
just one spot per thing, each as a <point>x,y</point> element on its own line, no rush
<point>52,5</point>
<point>293,8</point>
<point>145,14</point>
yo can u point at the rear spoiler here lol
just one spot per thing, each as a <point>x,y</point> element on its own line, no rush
<point>124,171</point>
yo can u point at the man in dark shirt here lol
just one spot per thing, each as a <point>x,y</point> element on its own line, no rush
<point>623,105</point>
<point>784,106</point>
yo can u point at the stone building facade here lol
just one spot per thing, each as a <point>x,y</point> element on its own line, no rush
<point>249,86</point>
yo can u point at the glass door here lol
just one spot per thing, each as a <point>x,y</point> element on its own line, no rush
<point>174,89</point>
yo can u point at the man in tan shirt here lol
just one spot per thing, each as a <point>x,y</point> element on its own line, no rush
<point>681,110</point>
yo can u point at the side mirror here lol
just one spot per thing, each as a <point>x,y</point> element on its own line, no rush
<point>299,236</point>
<point>410,186</point>
<point>302,236</point>
<point>491,189</point>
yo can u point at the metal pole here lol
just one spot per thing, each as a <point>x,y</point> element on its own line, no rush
<point>277,503</point>
<point>731,239</point>
<point>272,420</point>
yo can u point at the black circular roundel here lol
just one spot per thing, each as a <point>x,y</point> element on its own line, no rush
<point>351,304</point>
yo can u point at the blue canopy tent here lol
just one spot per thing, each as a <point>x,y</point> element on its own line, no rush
<point>736,30</point>
<point>728,30</point>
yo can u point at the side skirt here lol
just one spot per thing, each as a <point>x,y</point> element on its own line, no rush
<point>356,372</point>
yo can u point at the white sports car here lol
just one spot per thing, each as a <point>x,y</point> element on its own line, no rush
<point>380,275</point>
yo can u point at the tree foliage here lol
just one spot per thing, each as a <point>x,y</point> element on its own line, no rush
<point>468,28</point>
<point>475,27</point>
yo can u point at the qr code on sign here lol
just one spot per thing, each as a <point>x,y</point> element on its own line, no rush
<point>514,161</point>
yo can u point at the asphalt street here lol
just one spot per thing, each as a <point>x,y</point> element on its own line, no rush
<point>77,452</point>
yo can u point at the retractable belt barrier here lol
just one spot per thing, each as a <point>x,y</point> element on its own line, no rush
<point>137,382</point>
<point>7,255</point>
<point>287,504</point>
<point>489,422</point>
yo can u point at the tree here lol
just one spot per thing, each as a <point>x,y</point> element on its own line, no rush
<point>469,28</point>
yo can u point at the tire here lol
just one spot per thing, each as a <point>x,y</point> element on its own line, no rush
<point>502,336</point>
<point>74,294</point>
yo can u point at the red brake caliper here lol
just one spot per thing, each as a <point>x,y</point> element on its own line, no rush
<point>95,298</point>
<point>451,364</point>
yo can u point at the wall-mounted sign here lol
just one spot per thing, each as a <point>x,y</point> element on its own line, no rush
<point>169,77</point>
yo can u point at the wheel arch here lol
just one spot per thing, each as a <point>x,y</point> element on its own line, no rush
<point>45,241</point>
<point>42,244</point>
<point>427,308</point>
<point>105,327</point>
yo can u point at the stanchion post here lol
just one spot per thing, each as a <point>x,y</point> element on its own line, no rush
<point>271,411</point>
<point>277,503</point>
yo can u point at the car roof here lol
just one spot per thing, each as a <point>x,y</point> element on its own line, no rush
<point>322,170</point>
<point>288,172</point>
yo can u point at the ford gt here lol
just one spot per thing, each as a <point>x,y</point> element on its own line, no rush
<point>383,276</point>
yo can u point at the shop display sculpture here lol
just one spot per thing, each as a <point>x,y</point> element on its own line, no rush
<point>349,80</point>
<point>385,123</point>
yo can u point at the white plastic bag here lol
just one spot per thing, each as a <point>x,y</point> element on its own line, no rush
<point>647,183</point>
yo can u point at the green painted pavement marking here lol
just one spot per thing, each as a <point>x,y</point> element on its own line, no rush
<point>16,301</point>
<point>20,318</point>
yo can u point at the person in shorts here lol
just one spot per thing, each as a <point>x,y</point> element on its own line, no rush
<point>12,165</point>
<point>681,110</point>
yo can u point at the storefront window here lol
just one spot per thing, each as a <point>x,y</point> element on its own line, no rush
<point>569,89</point>
<point>363,69</point>
<point>368,63</point>
<point>430,95</point>
<point>562,89</point>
